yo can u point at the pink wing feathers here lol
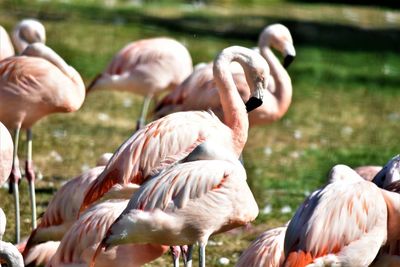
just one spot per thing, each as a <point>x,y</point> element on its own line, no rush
<point>334,217</point>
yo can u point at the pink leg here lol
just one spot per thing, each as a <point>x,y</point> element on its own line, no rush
<point>175,252</point>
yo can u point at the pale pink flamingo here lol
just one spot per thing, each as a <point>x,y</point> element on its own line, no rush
<point>62,210</point>
<point>28,31</point>
<point>206,192</point>
<point>348,230</point>
<point>163,142</point>
<point>9,254</point>
<point>266,250</point>
<point>199,91</point>
<point>32,86</point>
<point>146,67</point>
<point>6,47</point>
<point>80,242</point>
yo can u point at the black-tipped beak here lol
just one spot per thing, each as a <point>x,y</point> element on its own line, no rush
<point>253,103</point>
<point>287,61</point>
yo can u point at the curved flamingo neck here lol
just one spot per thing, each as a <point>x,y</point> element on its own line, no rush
<point>283,84</point>
<point>235,115</point>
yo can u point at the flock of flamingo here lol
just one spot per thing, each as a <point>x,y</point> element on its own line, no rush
<point>178,180</point>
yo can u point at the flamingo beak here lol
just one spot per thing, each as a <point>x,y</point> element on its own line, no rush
<point>288,60</point>
<point>255,100</point>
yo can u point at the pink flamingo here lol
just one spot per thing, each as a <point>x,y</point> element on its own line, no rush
<point>146,67</point>
<point>6,47</point>
<point>32,86</point>
<point>79,243</point>
<point>345,231</point>
<point>199,91</point>
<point>266,250</point>
<point>205,193</point>
<point>163,142</point>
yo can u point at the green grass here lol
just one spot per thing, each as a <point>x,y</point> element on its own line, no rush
<point>344,108</point>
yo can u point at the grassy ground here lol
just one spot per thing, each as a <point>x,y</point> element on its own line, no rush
<point>344,110</point>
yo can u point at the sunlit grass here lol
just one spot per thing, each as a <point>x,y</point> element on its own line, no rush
<point>344,110</point>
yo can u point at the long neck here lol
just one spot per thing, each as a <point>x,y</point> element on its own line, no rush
<point>10,254</point>
<point>282,93</point>
<point>235,115</point>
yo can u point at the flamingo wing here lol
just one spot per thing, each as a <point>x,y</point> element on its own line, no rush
<point>333,217</point>
<point>159,144</point>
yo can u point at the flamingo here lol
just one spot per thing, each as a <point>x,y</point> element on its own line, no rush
<point>172,138</point>
<point>206,192</point>
<point>146,67</point>
<point>266,250</point>
<point>32,86</point>
<point>79,243</point>
<point>6,47</point>
<point>199,91</point>
<point>342,231</point>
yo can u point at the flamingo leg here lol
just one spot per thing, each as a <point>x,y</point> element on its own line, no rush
<point>175,252</point>
<point>15,176</point>
<point>30,175</point>
<point>202,255</point>
<point>143,113</point>
<point>187,256</point>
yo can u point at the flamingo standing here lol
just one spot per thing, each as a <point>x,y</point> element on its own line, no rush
<point>199,91</point>
<point>6,47</point>
<point>206,193</point>
<point>32,86</point>
<point>79,243</point>
<point>342,231</point>
<point>146,67</point>
<point>172,138</point>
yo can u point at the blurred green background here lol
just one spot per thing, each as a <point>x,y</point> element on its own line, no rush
<point>344,109</point>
